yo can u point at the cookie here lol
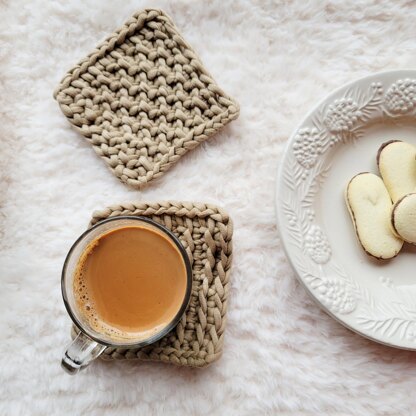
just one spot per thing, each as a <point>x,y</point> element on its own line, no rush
<point>370,208</point>
<point>403,218</point>
<point>397,165</point>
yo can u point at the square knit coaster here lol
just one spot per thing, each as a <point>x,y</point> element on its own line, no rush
<point>143,98</point>
<point>206,233</point>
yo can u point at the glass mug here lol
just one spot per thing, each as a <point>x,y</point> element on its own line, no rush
<point>90,343</point>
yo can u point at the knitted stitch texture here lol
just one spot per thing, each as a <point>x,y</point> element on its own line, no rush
<point>206,233</point>
<point>143,99</point>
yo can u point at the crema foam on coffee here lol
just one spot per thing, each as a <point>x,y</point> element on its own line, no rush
<point>130,283</point>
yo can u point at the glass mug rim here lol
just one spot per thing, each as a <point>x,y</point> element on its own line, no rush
<point>135,344</point>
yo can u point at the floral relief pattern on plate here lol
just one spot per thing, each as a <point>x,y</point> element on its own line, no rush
<point>343,120</point>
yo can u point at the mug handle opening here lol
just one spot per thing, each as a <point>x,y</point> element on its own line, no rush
<point>80,353</point>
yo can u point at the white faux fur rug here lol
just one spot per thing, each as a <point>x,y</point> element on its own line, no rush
<point>282,353</point>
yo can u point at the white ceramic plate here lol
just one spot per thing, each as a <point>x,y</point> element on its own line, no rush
<point>336,140</point>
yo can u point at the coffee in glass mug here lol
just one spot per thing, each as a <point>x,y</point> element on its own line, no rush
<point>126,282</point>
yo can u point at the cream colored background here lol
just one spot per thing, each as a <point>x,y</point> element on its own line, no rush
<point>282,354</point>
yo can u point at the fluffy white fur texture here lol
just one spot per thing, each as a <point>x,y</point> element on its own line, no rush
<point>282,355</point>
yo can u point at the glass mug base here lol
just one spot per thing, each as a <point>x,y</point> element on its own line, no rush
<point>90,342</point>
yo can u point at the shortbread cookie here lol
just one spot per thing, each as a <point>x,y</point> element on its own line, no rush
<point>397,165</point>
<point>403,218</point>
<point>370,207</point>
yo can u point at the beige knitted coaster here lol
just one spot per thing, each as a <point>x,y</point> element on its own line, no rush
<point>143,99</point>
<point>206,232</point>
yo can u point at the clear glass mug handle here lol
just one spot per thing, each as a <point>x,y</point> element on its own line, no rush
<point>80,353</point>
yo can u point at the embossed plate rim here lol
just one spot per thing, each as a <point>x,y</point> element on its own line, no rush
<point>378,103</point>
